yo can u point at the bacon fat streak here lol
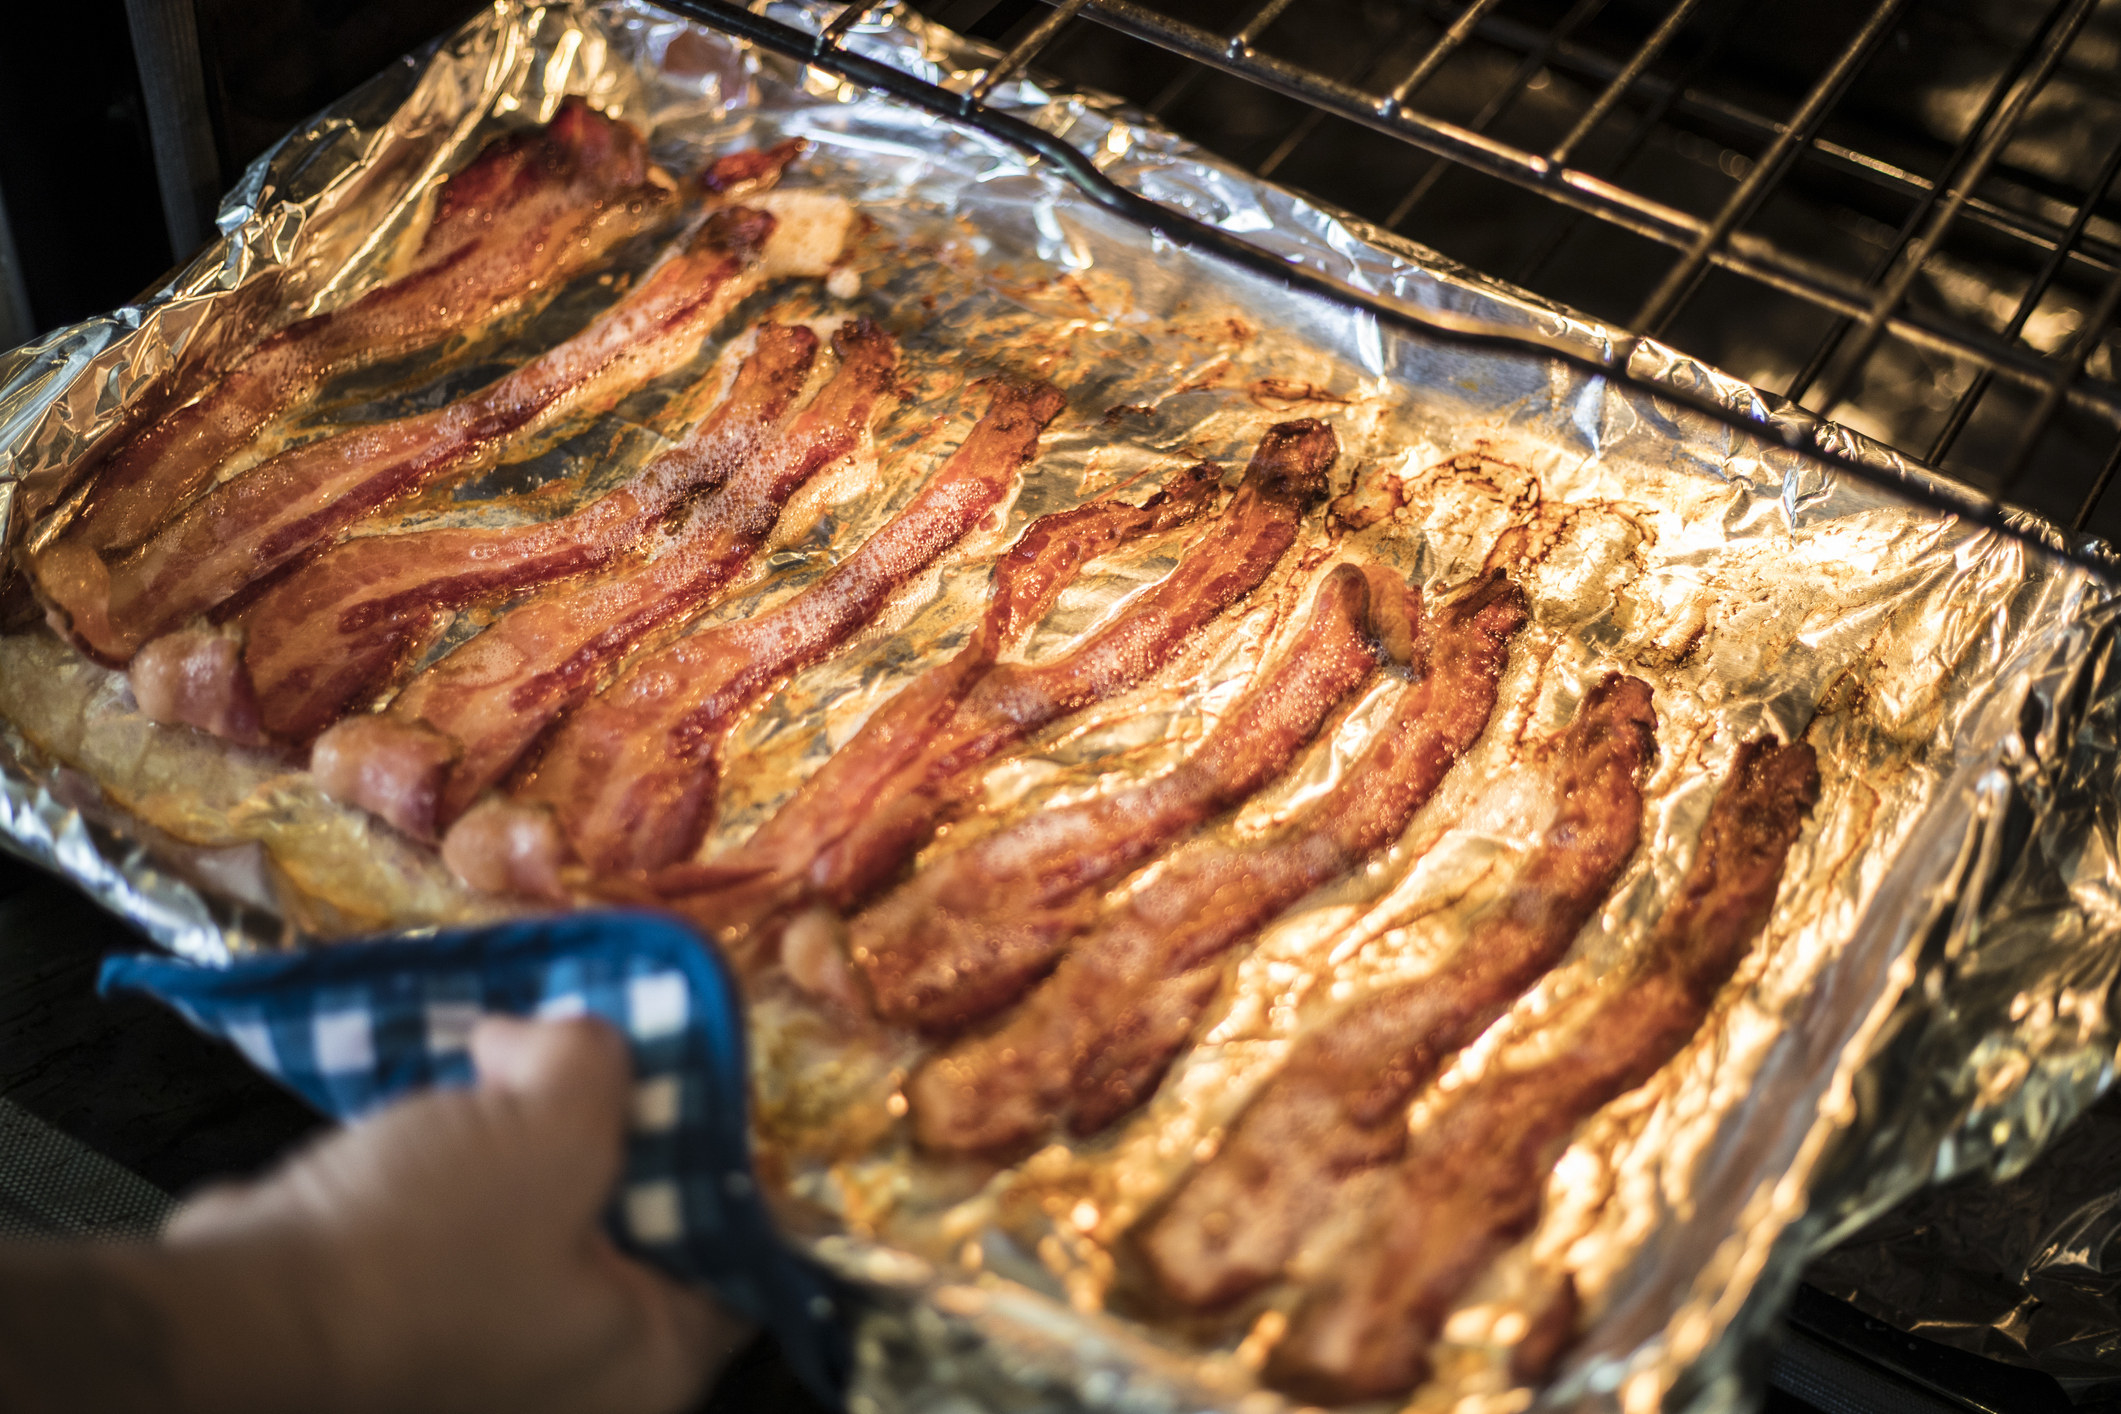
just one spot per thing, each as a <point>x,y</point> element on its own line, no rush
<point>971,931</point>
<point>266,519</point>
<point>1094,1039</point>
<point>1471,1181</point>
<point>529,211</point>
<point>632,776</point>
<point>908,766</point>
<point>496,694</point>
<point>1338,1104</point>
<point>343,622</point>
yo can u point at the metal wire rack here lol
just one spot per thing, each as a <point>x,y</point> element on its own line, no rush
<point>1895,216</point>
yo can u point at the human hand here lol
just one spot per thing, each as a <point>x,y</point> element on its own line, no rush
<point>447,1253</point>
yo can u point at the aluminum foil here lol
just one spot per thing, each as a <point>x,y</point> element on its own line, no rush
<point>1929,1000</point>
<point>2022,1271</point>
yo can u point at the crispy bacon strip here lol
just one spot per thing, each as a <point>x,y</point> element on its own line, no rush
<point>527,213</point>
<point>1045,560</point>
<point>971,932</point>
<point>1471,1182</point>
<point>264,520</point>
<point>906,767</point>
<point>495,695</point>
<point>1042,562</point>
<point>1094,1039</point>
<point>338,626</point>
<point>1338,1105</point>
<point>632,775</point>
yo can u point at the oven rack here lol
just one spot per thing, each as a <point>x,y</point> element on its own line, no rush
<point>1864,315</point>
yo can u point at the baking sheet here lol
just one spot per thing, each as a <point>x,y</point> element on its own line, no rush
<point>1930,998</point>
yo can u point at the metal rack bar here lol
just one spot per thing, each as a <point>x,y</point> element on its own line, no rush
<point>1498,104</point>
<point>2080,349</point>
<point>845,20</point>
<point>1751,256</point>
<point>1265,13</point>
<point>2097,493</point>
<point>1661,100</point>
<point>1026,49</point>
<point>1312,120</point>
<point>1963,408</point>
<point>1889,298</point>
<point>1682,98</point>
<point>1453,326</point>
<point>1460,31</point>
<point>1644,56</point>
<point>1679,282</point>
<point>1961,155</point>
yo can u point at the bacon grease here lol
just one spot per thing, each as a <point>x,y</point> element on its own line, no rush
<point>972,931</point>
<point>1471,1182</point>
<point>632,775</point>
<point>1338,1105</point>
<point>1094,1039</point>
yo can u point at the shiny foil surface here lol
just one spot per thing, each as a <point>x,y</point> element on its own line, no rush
<point>1930,997</point>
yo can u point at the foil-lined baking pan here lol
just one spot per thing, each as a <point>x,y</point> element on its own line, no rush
<point>1930,999</point>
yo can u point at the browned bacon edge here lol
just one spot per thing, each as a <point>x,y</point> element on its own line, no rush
<point>1471,1182</point>
<point>632,775</point>
<point>1041,563</point>
<point>493,696</point>
<point>195,677</point>
<point>907,775</point>
<point>971,931</point>
<point>268,518</point>
<point>1338,1104</point>
<point>1026,580</point>
<point>341,624</point>
<point>528,212</point>
<point>1094,1039</point>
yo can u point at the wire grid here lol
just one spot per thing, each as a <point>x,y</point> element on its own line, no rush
<point>1900,217</point>
<point>1716,246</point>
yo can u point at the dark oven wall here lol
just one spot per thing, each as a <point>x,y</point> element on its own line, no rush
<point>88,225</point>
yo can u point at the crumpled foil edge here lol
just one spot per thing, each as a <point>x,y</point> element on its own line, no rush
<point>1987,1030</point>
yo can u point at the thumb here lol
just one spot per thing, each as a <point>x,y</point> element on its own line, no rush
<point>570,1080</point>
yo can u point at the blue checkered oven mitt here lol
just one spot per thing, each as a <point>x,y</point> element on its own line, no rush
<point>352,1027</point>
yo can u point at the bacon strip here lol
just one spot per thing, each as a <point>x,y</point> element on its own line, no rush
<point>971,932</point>
<point>632,775</point>
<point>527,213</point>
<point>343,622</point>
<point>264,520</point>
<point>1471,1182</point>
<point>501,841</point>
<point>1094,1039</point>
<point>1045,560</point>
<point>1338,1105</point>
<point>907,767</point>
<point>494,696</point>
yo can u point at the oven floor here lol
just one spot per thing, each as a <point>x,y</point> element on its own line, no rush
<point>112,1108</point>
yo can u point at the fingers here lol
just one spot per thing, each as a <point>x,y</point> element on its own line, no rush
<point>564,1088</point>
<point>220,1211</point>
<point>576,1059</point>
<point>683,1338</point>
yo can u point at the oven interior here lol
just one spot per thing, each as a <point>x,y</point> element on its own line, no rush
<point>1900,217</point>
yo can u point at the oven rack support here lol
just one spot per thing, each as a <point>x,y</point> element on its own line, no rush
<point>1707,243</point>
